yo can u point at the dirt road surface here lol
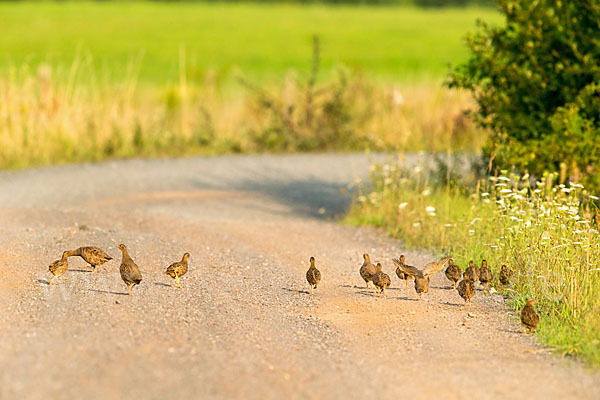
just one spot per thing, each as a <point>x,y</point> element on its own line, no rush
<point>244,326</point>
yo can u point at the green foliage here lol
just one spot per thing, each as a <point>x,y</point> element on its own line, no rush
<point>536,81</point>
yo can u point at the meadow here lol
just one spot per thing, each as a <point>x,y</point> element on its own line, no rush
<point>262,41</point>
<point>545,230</point>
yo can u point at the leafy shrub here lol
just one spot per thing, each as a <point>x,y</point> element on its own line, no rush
<point>536,81</point>
<point>309,117</point>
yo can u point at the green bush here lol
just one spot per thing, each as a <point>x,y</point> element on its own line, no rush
<point>537,83</point>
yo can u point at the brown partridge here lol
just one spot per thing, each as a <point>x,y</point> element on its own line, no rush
<point>422,275</point>
<point>91,255</point>
<point>402,275</point>
<point>367,270</point>
<point>130,272</point>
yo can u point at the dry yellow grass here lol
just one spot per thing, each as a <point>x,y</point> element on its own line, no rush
<point>54,115</point>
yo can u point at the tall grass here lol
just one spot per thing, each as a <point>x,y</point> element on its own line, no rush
<point>545,230</point>
<point>53,114</point>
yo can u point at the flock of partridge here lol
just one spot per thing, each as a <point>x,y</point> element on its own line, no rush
<point>465,288</point>
<point>131,275</point>
<point>130,272</point>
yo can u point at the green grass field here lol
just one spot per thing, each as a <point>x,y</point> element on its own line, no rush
<point>263,41</point>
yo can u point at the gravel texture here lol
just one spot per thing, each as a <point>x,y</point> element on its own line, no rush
<point>245,325</point>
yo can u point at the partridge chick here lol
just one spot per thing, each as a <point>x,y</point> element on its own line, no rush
<point>485,275</point>
<point>471,272</point>
<point>466,289</point>
<point>504,275</point>
<point>178,269</point>
<point>529,317</point>
<point>59,267</point>
<point>313,275</point>
<point>453,273</point>
<point>381,280</point>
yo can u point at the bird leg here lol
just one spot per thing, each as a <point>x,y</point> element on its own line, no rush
<point>406,283</point>
<point>95,268</point>
<point>312,290</point>
<point>177,281</point>
<point>420,295</point>
<point>52,280</point>
<point>64,278</point>
<point>129,287</point>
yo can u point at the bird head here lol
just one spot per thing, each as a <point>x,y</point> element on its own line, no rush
<point>530,302</point>
<point>366,257</point>
<point>312,261</point>
<point>186,256</point>
<point>483,263</point>
<point>402,258</point>
<point>122,247</point>
<point>471,263</point>
<point>379,267</point>
<point>66,254</point>
<point>503,267</point>
<point>451,262</point>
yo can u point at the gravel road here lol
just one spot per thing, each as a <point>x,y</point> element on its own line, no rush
<point>245,325</point>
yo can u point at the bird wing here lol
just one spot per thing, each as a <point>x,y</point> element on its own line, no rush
<point>407,269</point>
<point>435,266</point>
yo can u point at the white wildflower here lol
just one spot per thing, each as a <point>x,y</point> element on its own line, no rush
<point>402,205</point>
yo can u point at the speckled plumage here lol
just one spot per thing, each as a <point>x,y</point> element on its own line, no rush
<point>472,272</point>
<point>401,275</point>
<point>422,275</point>
<point>453,273</point>
<point>178,269</point>
<point>505,274</point>
<point>367,270</point>
<point>529,317</point>
<point>381,280</point>
<point>466,289</point>
<point>313,275</point>
<point>59,267</point>
<point>91,255</point>
<point>130,272</point>
<point>485,275</point>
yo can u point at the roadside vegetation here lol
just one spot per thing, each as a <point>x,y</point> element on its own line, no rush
<point>538,96</point>
<point>545,230</point>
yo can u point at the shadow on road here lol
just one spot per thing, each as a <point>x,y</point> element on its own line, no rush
<point>296,290</point>
<point>108,292</point>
